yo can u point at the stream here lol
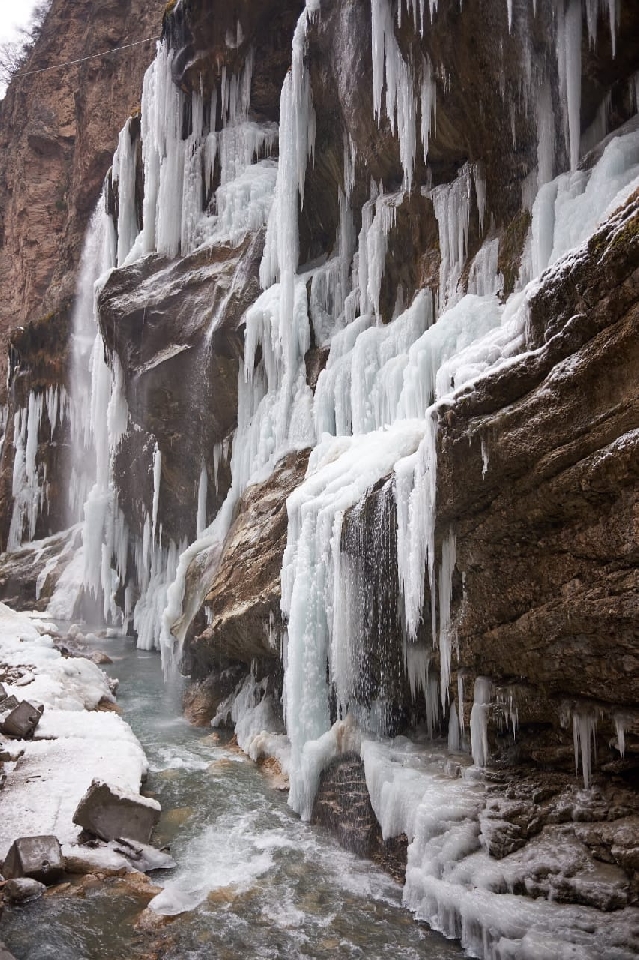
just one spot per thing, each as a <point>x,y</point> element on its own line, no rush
<point>253,879</point>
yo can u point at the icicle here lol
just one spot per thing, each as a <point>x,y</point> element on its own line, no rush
<point>451,202</point>
<point>453,729</point>
<point>460,700</point>
<point>29,483</point>
<point>545,135</point>
<point>201,498</point>
<point>484,278</point>
<point>157,474</point>
<point>124,175</point>
<point>584,727</point>
<point>447,566</point>
<point>428,103</point>
<point>620,728</point>
<point>569,64</point>
<point>389,65</point>
<point>479,721</point>
<point>415,490</point>
<point>484,458</point>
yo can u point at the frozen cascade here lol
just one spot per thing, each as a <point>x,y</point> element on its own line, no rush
<point>274,400</point>
<point>340,472</point>
<point>568,209</point>
<point>29,481</point>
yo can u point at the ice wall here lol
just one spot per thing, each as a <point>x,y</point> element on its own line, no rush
<point>375,411</point>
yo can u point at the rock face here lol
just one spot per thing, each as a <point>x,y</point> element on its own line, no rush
<point>533,467</point>
<point>245,620</point>
<point>546,539</point>
<point>58,130</point>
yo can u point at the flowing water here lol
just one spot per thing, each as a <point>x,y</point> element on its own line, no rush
<point>255,880</point>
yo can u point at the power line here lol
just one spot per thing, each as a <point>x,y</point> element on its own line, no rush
<point>95,56</point>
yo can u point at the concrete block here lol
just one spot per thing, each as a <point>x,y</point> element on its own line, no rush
<point>39,858</point>
<point>22,721</point>
<point>108,814</point>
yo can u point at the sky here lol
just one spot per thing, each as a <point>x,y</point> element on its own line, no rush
<point>13,14</point>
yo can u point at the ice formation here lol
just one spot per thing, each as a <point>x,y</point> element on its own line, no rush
<point>374,414</point>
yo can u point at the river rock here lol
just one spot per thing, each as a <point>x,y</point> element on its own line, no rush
<point>38,858</point>
<point>23,889</point>
<point>21,721</point>
<point>109,814</point>
<point>101,658</point>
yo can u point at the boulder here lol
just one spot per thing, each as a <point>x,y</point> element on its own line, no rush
<point>38,858</point>
<point>109,814</point>
<point>23,889</point>
<point>7,704</point>
<point>21,721</point>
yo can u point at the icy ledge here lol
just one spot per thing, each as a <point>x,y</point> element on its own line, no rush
<point>488,860</point>
<point>476,875</point>
<point>74,744</point>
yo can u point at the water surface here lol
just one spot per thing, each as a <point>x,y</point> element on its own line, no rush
<point>255,881</point>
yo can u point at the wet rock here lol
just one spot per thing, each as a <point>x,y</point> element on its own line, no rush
<point>23,890</point>
<point>244,593</point>
<point>343,806</point>
<point>38,858</point>
<point>22,721</point>
<point>101,658</point>
<point>108,814</point>
<point>202,698</point>
<point>28,576</point>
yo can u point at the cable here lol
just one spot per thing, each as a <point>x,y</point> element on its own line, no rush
<point>95,56</point>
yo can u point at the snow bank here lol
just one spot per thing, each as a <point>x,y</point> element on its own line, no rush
<point>71,747</point>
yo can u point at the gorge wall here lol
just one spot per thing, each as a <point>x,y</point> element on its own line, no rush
<point>352,414</point>
<point>59,129</point>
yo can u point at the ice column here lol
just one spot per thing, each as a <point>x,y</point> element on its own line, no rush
<point>479,721</point>
<point>584,727</point>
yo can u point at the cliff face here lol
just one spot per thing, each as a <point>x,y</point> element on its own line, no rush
<point>401,240</point>
<point>534,464</point>
<point>58,131</point>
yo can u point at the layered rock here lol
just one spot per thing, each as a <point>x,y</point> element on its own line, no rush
<point>58,130</point>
